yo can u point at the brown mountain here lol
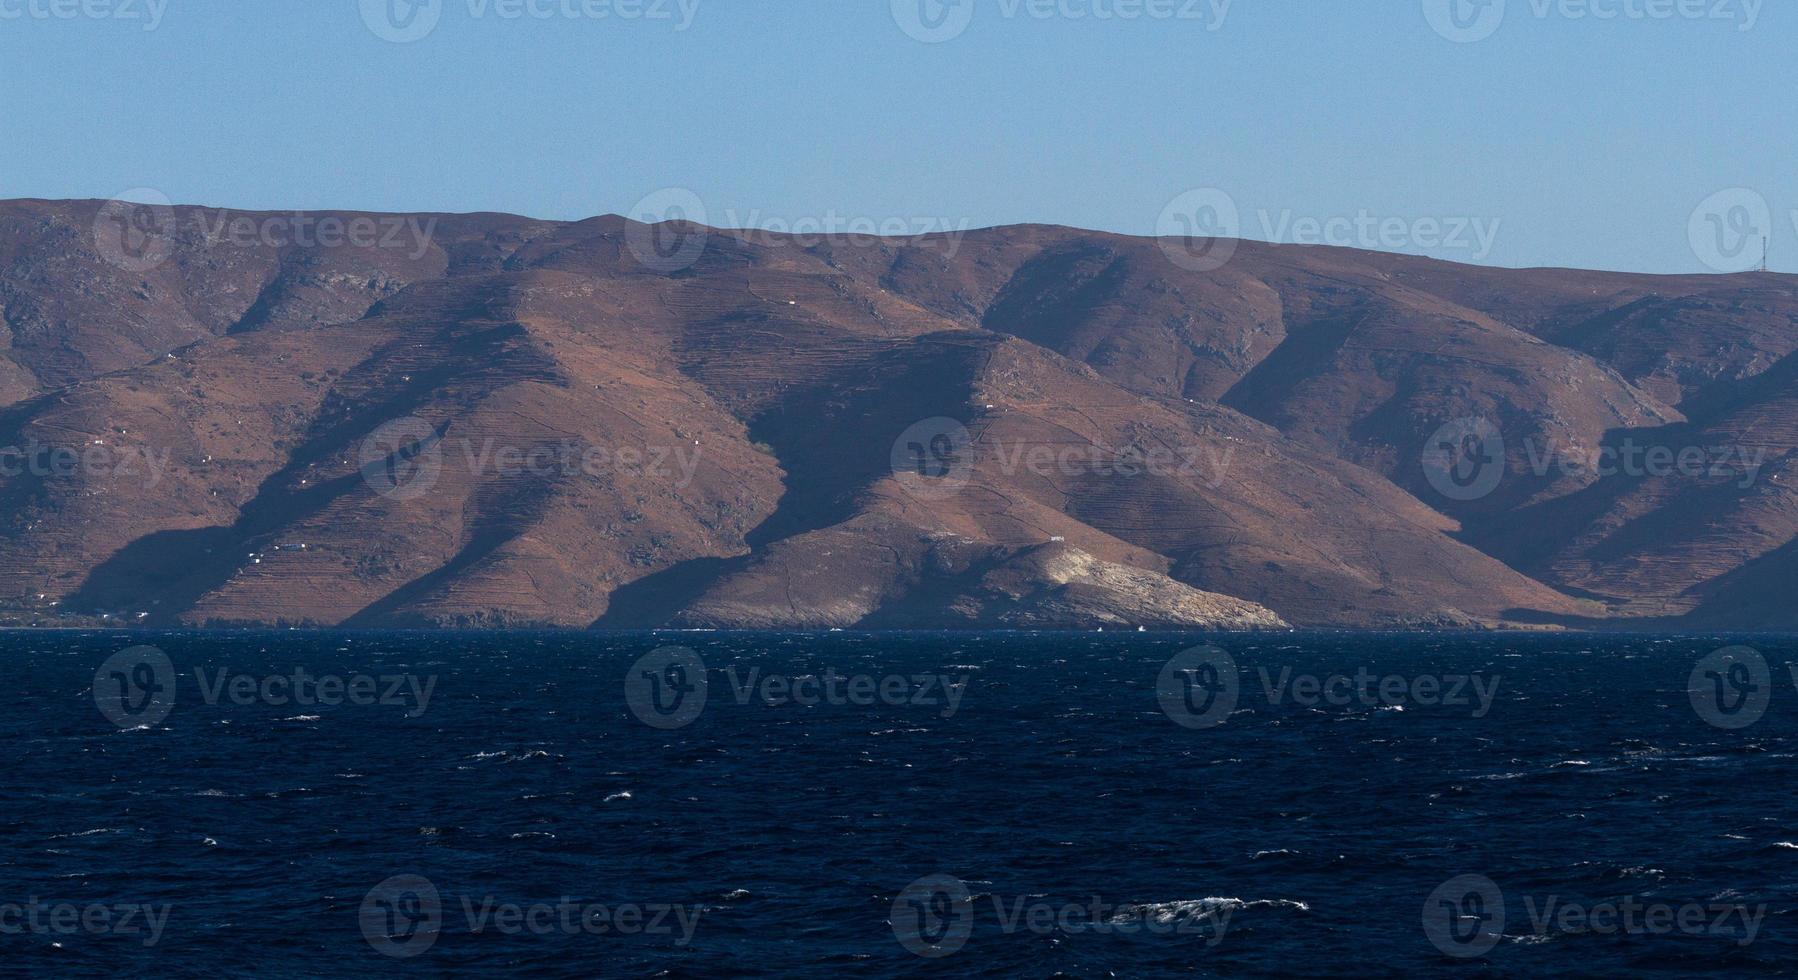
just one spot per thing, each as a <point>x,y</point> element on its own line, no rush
<point>235,418</point>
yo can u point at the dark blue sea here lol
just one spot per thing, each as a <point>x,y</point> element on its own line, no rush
<point>722,805</point>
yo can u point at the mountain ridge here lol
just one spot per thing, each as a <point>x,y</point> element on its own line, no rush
<point>1250,445</point>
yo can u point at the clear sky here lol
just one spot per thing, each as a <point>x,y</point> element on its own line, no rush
<point>1549,132</point>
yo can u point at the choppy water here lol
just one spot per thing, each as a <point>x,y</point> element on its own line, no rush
<point>1006,806</point>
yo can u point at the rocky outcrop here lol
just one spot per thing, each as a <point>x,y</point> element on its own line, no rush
<point>1056,586</point>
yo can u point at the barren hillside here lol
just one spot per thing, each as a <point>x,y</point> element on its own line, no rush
<point>487,420</point>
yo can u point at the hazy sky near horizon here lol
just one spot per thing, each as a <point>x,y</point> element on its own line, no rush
<point>1642,135</point>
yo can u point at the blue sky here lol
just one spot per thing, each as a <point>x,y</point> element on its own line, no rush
<point>1526,132</point>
